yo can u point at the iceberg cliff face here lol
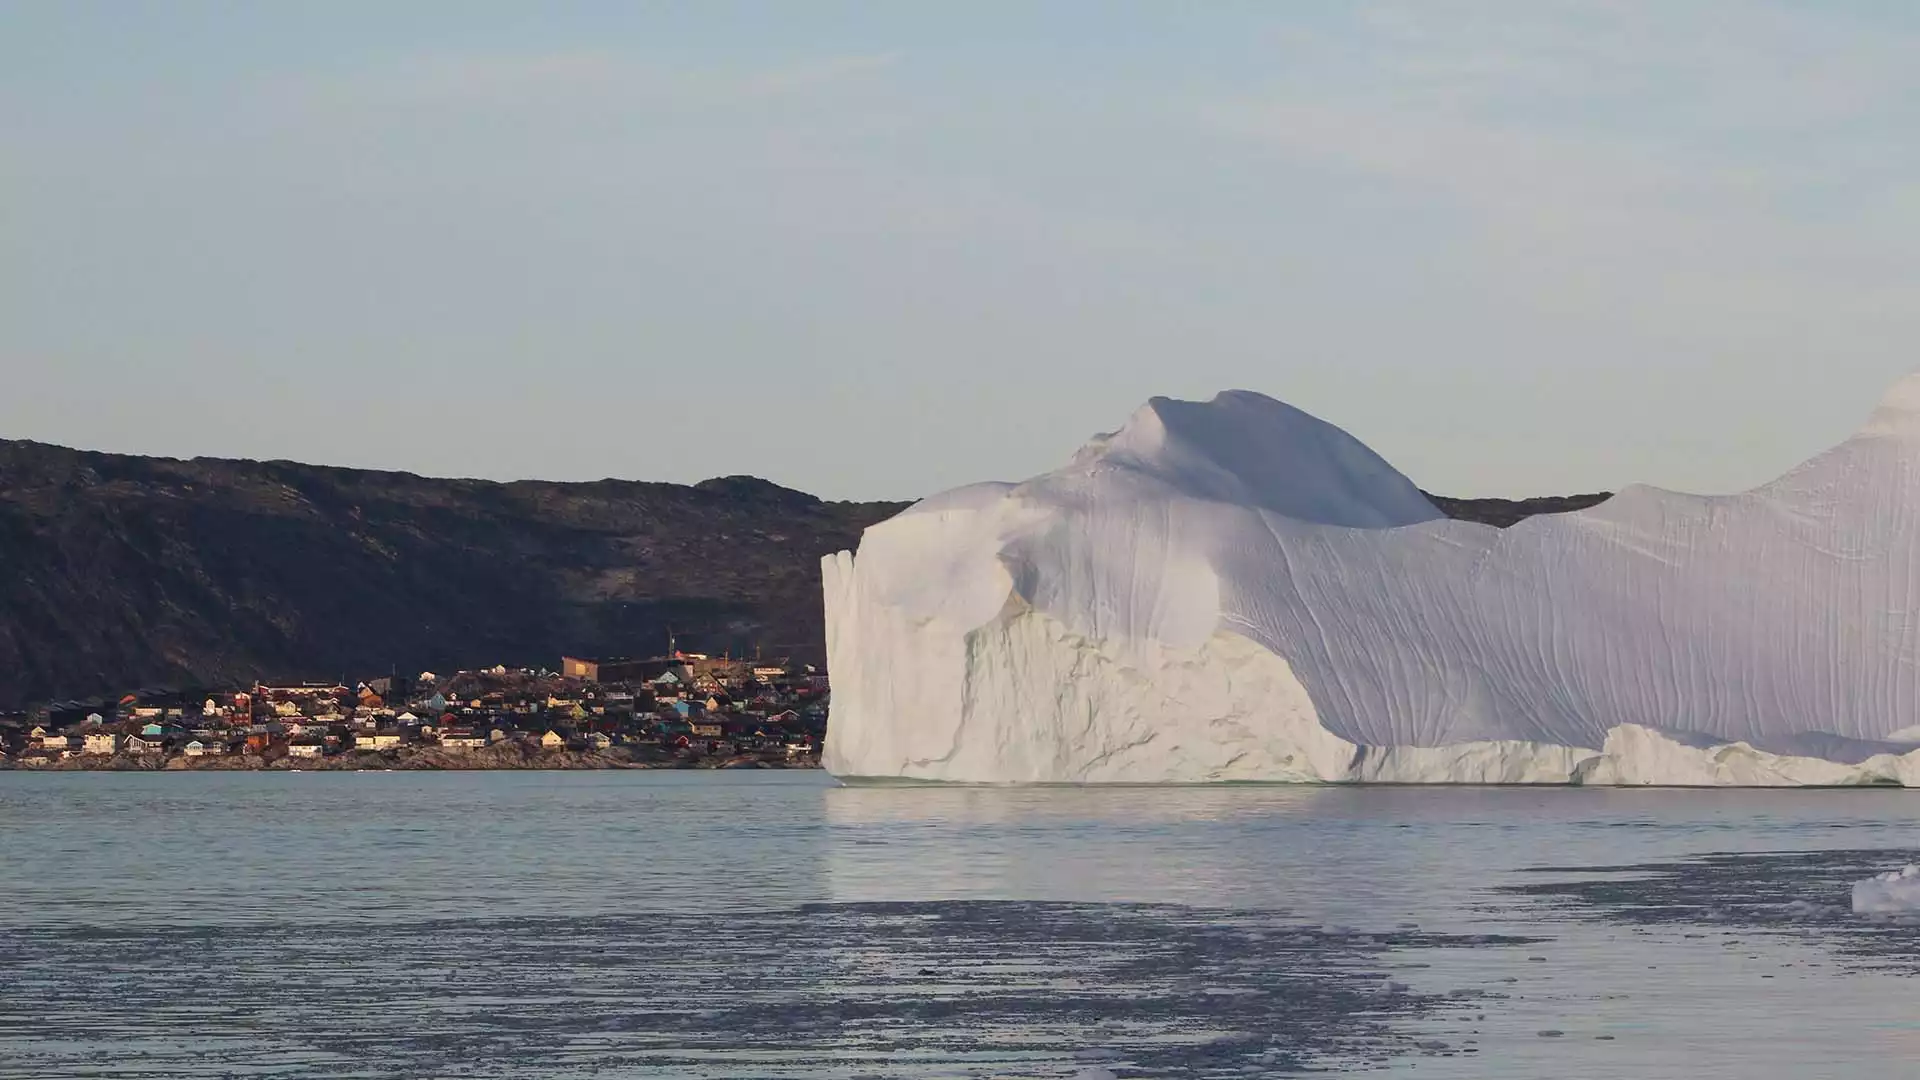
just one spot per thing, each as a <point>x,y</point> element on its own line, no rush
<point>1235,590</point>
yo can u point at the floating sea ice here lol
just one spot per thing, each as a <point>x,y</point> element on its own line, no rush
<point>1895,892</point>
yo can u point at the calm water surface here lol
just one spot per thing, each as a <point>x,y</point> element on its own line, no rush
<point>776,924</point>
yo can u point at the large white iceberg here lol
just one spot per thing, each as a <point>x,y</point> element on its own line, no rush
<point>1235,590</point>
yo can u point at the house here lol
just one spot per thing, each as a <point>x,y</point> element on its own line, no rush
<point>145,744</point>
<point>599,741</point>
<point>307,748</point>
<point>462,739</point>
<point>376,740</point>
<point>704,728</point>
<point>205,748</point>
<point>388,686</point>
<point>602,669</point>
<point>100,742</point>
<point>616,669</point>
<point>552,740</point>
<point>718,702</point>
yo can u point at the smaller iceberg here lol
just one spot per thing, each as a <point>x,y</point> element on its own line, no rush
<point>1893,893</point>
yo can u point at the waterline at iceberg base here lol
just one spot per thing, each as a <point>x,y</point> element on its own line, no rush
<point>1233,590</point>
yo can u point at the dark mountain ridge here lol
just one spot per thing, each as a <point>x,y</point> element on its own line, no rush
<point>119,571</point>
<point>1506,513</point>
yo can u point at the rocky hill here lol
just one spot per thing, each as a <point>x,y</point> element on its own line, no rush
<point>118,572</point>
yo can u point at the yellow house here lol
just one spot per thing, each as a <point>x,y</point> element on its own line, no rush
<point>552,740</point>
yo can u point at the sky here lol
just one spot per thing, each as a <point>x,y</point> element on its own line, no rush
<point>875,250</point>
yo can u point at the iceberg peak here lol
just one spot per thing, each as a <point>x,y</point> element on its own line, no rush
<point>1248,449</point>
<point>1898,413</point>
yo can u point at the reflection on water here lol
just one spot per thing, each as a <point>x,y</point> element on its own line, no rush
<point>776,924</point>
<point>980,988</point>
<point>1379,854</point>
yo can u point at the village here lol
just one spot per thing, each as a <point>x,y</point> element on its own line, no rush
<point>682,710</point>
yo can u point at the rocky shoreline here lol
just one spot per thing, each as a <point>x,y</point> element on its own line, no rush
<point>501,756</point>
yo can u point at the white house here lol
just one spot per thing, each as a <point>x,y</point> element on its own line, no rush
<point>101,742</point>
<point>144,744</point>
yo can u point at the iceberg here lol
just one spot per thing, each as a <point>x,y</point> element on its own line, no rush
<point>1234,590</point>
<point>1896,892</point>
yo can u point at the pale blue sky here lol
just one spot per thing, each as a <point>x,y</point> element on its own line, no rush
<point>875,250</point>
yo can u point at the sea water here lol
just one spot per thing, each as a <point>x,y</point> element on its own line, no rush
<point>772,924</point>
